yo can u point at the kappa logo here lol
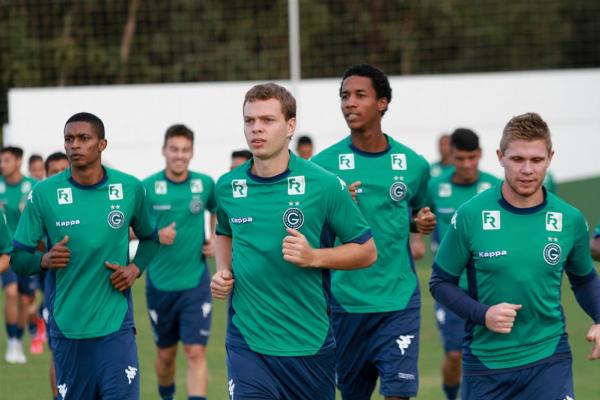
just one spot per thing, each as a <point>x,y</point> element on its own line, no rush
<point>398,191</point>
<point>453,220</point>
<point>62,390</point>
<point>342,183</point>
<point>153,316</point>
<point>293,218</point>
<point>445,190</point>
<point>196,186</point>
<point>206,308</point>
<point>65,196</point>
<point>239,188</point>
<point>25,187</point>
<point>231,386</point>
<point>346,161</point>
<point>552,253</point>
<point>116,218</point>
<point>483,186</point>
<point>440,315</point>
<point>404,342</point>
<point>160,187</point>
<point>30,197</point>
<point>567,397</point>
<point>491,220</point>
<point>398,161</point>
<point>115,191</point>
<point>130,372</point>
<point>554,221</point>
<point>296,185</point>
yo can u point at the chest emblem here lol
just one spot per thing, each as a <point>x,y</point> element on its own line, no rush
<point>491,220</point>
<point>554,221</point>
<point>116,218</point>
<point>398,191</point>
<point>296,185</point>
<point>160,187</point>
<point>445,190</point>
<point>64,195</point>
<point>346,161</point>
<point>293,218</point>
<point>398,161</point>
<point>239,188</point>
<point>552,253</point>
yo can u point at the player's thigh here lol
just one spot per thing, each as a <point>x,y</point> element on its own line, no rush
<point>195,314</point>
<point>28,285</point>
<point>451,328</point>
<point>163,310</point>
<point>551,380</point>
<point>75,369</point>
<point>119,368</point>
<point>249,376</point>
<point>9,278</point>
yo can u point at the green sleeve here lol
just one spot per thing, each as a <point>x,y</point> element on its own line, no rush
<point>5,236</point>
<point>419,199</point>
<point>579,260</point>
<point>146,251</point>
<point>344,216</point>
<point>453,254</point>
<point>31,226</point>
<point>223,227</point>
<point>597,231</point>
<point>143,222</point>
<point>212,202</point>
<point>23,262</point>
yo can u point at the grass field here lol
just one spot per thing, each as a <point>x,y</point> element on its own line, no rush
<point>30,381</point>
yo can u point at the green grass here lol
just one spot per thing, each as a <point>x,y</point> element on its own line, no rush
<point>30,381</point>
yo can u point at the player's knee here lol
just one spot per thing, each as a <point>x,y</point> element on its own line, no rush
<point>454,357</point>
<point>11,292</point>
<point>166,356</point>
<point>195,353</point>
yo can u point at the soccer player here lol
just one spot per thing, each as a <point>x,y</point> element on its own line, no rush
<point>278,216</point>
<point>304,147</point>
<point>178,282</point>
<point>55,163</point>
<point>85,213</point>
<point>515,241</point>
<point>36,167</point>
<point>445,162</point>
<point>376,311</point>
<point>444,195</point>
<point>595,244</point>
<point>238,157</point>
<point>19,292</point>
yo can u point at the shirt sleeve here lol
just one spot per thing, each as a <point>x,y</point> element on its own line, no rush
<point>223,226</point>
<point>344,217</point>
<point>597,232</point>
<point>419,199</point>
<point>211,204</point>
<point>5,236</point>
<point>579,261</point>
<point>143,222</point>
<point>31,226</point>
<point>454,254</point>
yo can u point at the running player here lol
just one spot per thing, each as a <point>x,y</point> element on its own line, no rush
<point>238,157</point>
<point>55,163</point>
<point>304,147</point>
<point>515,241</point>
<point>445,162</point>
<point>278,217</point>
<point>85,213</point>
<point>445,194</point>
<point>178,282</point>
<point>595,244</point>
<point>376,311</point>
<point>19,292</point>
<point>36,167</point>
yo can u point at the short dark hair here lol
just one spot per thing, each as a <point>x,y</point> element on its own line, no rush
<point>379,80</point>
<point>304,140</point>
<point>91,119</point>
<point>268,91</point>
<point>178,130</point>
<point>34,158</point>
<point>464,139</point>
<point>15,151</point>
<point>247,154</point>
<point>54,157</point>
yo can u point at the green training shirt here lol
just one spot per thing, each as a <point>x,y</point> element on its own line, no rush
<point>5,236</point>
<point>393,182</point>
<point>516,256</point>
<point>279,308</point>
<point>438,169</point>
<point>96,218</point>
<point>12,199</point>
<point>180,266</point>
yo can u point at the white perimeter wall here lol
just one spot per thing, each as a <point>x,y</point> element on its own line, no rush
<point>136,116</point>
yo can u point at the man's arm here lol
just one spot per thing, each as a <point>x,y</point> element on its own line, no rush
<point>122,278</point>
<point>222,281</point>
<point>595,247</point>
<point>209,244</point>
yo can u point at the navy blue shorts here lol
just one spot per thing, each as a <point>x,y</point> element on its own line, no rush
<point>8,277</point>
<point>99,368</point>
<point>552,380</point>
<point>180,315</point>
<point>384,345</point>
<point>28,284</point>
<point>451,327</point>
<point>253,376</point>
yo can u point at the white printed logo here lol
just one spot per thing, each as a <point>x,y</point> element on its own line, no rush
<point>116,218</point>
<point>25,187</point>
<point>231,388</point>
<point>196,186</point>
<point>568,398</point>
<point>398,161</point>
<point>65,196</point>
<point>153,316</point>
<point>552,253</point>
<point>62,390</point>
<point>453,220</point>
<point>404,342</point>
<point>445,190</point>
<point>491,220</point>
<point>346,161</point>
<point>342,183</point>
<point>2,187</point>
<point>131,372</point>
<point>440,315</point>
<point>160,187</point>
<point>206,307</point>
<point>115,191</point>
<point>296,185</point>
<point>483,186</point>
<point>239,188</point>
<point>30,197</point>
<point>554,221</point>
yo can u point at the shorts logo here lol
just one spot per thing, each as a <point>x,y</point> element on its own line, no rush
<point>552,253</point>
<point>153,316</point>
<point>491,220</point>
<point>62,390</point>
<point>231,388</point>
<point>130,372</point>
<point>196,206</point>
<point>293,218</point>
<point>483,186</point>
<point>239,188</point>
<point>445,190</point>
<point>206,308</point>
<point>440,315</point>
<point>398,191</point>
<point>398,161</point>
<point>25,187</point>
<point>404,342</point>
<point>116,219</point>
<point>554,221</point>
<point>160,187</point>
<point>65,196</point>
<point>346,161</point>
<point>406,377</point>
<point>196,186</point>
<point>296,185</point>
<point>115,191</point>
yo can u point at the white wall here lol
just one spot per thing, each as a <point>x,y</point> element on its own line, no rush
<point>136,116</point>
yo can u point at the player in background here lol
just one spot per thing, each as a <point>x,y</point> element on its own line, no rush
<point>278,217</point>
<point>515,241</point>
<point>445,162</point>
<point>304,147</point>
<point>178,281</point>
<point>376,311</point>
<point>238,157</point>
<point>595,244</point>
<point>36,167</point>
<point>84,213</point>
<point>19,292</point>
<point>55,163</point>
<point>445,194</point>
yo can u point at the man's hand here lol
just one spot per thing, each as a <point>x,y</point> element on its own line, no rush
<point>296,250</point>
<point>58,256</point>
<point>167,234</point>
<point>221,284</point>
<point>593,335</point>
<point>122,278</point>
<point>208,249</point>
<point>425,221</point>
<point>501,317</point>
<point>353,188</point>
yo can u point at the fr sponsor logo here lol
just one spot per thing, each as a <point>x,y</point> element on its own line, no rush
<point>445,190</point>
<point>239,188</point>
<point>491,220</point>
<point>160,187</point>
<point>64,195</point>
<point>554,221</point>
<point>196,186</point>
<point>346,161</point>
<point>296,185</point>
<point>398,161</point>
<point>115,191</point>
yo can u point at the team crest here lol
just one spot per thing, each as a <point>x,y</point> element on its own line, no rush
<point>115,191</point>
<point>296,185</point>
<point>160,187</point>
<point>116,218</point>
<point>196,205</point>
<point>239,188</point>
<point>196,186</point>
<point>491,220</point>
<point>552,253</point>
<point>554,221</point>
<point>398,191</point>
<point>398,161</point>
<point>346,161</point>
<point>25,187</point>
<point>445,190</point>
<point>64,195</point>
<point>293,218</point>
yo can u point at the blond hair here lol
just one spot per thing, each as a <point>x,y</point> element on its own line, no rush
<point>528,126</point>
<point>269,91</point>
